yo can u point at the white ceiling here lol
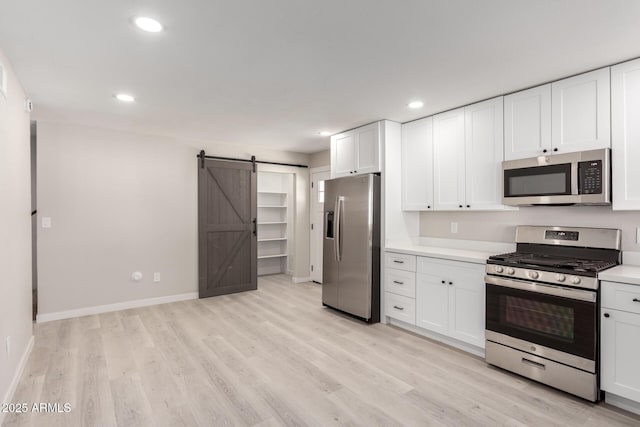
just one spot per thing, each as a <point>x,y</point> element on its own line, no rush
<point>275,72</point>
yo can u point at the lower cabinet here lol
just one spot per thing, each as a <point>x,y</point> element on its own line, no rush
<point>400,307</point>
<point>620,340</point>
<point>450,299</point>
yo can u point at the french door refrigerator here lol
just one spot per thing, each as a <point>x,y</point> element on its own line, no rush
<point>351,246</point>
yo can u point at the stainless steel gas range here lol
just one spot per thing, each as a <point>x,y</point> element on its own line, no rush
<point>542,305</point>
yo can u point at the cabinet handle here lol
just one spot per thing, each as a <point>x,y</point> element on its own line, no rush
<point>460,205</point>
<point>468,206</point>
<point>451,283</point>
<point>398,283</point>
<point>607,315</point>
<point>428,207</point>
<point>555,149</point>
<point>398,308</point>
<point>398,261</point>
<point>636,300</point>
<point>443,282</point>
<point>544,151</point>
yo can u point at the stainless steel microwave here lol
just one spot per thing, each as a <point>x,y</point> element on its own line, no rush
<point>582,178</point>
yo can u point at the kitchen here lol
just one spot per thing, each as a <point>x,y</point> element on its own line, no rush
<point>112,172</point>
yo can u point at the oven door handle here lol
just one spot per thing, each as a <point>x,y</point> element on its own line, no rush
<point>557,291</point>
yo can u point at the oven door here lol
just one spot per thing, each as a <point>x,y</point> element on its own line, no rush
<point>558,318</point>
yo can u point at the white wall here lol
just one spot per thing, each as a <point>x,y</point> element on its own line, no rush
<point>321,158</point>
<point>120,202</point>
<point>500,226</point>
<point>15,231</point>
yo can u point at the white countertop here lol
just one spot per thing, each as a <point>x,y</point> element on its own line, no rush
<point>456,250</point>
<point>623,274</point>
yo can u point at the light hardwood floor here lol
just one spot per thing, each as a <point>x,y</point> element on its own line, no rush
<point>274,357</point>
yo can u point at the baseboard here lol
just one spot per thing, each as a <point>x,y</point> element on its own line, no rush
<point>69,314</point>
<point>622,403</point>
<point>452,342</point>
<point>300,279</point>
<point>18,376</point>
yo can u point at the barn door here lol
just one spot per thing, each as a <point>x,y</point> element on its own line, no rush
<point>227,206</point>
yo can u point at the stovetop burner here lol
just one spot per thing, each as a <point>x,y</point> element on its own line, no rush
<point>557,263</point>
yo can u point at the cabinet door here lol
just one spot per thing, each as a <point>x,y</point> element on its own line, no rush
<point>367,152</point>
<point>417,165</point>
<point>432,296</point>
<point>484,145</point>
<point>620,353</point>
<point>449,160</point>
<point>467,304</point>
<point>527,123</point>
<point>343,154</point>
<point>581,112</point>
<point>625,134</point>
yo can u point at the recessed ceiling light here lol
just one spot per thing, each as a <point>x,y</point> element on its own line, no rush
<point>324,133</point>
<point>124,97</point>
<point>416,104</point>
<point>148,24</point>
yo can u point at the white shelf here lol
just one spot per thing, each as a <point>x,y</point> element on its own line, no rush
<point>272,192</point>
<point>272,256</point>
<point>271,206</point>
<point>273,240</point>
<point>272,223</point>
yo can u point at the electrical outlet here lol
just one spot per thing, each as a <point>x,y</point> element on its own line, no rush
<point>8,346</point>
<point>156,277</point>
<point>46,222</point>
<point>454,227</point>
<point>637,235</point>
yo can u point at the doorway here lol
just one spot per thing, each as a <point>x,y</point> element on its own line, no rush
<point>318,177</point>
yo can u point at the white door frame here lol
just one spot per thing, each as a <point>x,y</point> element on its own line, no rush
<point>312,212</point>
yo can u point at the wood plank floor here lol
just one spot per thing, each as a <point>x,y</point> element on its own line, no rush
<point>274,357</point>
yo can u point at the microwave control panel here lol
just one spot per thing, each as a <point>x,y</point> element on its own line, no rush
<point>590,177</point>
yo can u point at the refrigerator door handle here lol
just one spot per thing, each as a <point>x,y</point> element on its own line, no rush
<point>338,236</point>
<point>336,228</point>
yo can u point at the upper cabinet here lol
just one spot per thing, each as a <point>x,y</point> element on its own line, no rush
<point>356,151</point>
<point>468,154</point>
<point>625,135</point>
<point>417,161</point>
<point>561,117</point>
<point>449,160</point>
<point>581,115</point>
<point>527,123</point>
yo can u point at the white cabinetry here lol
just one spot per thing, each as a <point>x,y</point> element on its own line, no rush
<point>356,151</point>
<point>527,123</point>
<point>625,135</point>
<point>417,165</point>
<point>450,299</point>
<point>620,340</point>
<point>468,153</point>
<point>580,108</point>
<point>400,287</point>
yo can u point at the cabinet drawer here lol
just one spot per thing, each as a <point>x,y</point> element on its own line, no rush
<point>400,282</point>
<point>620,296</point>
<point>400,261</point>
<point>401,308</point>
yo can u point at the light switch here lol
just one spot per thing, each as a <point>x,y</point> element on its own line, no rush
<point>454,227</point>
<point>46,222</point>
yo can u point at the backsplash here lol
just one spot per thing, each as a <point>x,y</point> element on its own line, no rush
<point>500,226</point>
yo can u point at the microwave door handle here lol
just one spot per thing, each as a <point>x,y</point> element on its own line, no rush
<point>575,178</point>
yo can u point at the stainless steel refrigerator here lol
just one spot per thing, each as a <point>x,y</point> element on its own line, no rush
<point>351,246</point>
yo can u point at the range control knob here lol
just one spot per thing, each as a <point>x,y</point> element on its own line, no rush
<point>534,274</point>
<point>575,280</point>
<point>561,277</point>
<point>499,269</point>
<point>510,271</point>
